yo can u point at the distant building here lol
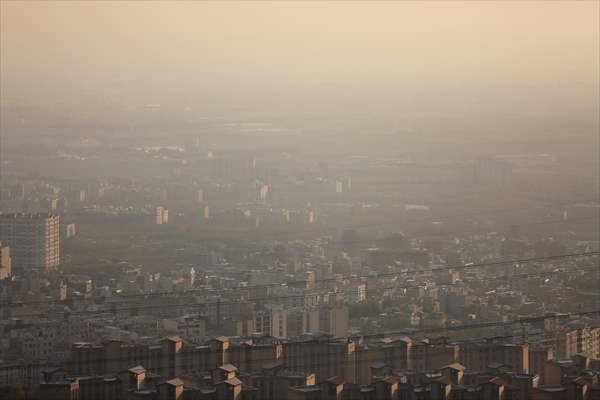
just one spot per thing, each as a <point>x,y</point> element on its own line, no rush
<point>34,240</point>
<point>272,322</point>
<point>286,216</point>
<point>62,291</point>
<point>339,186</point>
<point>566,344</point>
<point>5,262</point>
<point>334,321</point>
<point>312,216</point>
<point>70,231</point>
<point>445,276</point>
<point>189,327</point>
<point>358,292</point>
<point>263,191</point>
<point>162,216</point>
<point>53,205</point>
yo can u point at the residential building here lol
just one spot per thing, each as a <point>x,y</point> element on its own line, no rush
<point>34,240</point>
<point>5,262</point>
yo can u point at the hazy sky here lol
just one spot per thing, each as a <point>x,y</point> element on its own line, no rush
<point>186,48</point>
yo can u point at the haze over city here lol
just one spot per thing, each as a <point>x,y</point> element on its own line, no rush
<point>299,200</point>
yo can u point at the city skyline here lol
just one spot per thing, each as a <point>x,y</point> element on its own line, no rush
<point>294,200</point>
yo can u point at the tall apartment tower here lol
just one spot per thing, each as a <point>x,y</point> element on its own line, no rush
<point>5,262</point>
<point>162,215</point>
<point>34,240</point>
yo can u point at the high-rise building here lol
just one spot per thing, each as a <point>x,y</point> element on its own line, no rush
<point>271,322</point>
<point>34,240</point>
<point>334,321</point>
<point>312,216</point>
<point>263,191</point>
<point>70,231</point>
<point>162,216</point>
<point>5,262</point>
